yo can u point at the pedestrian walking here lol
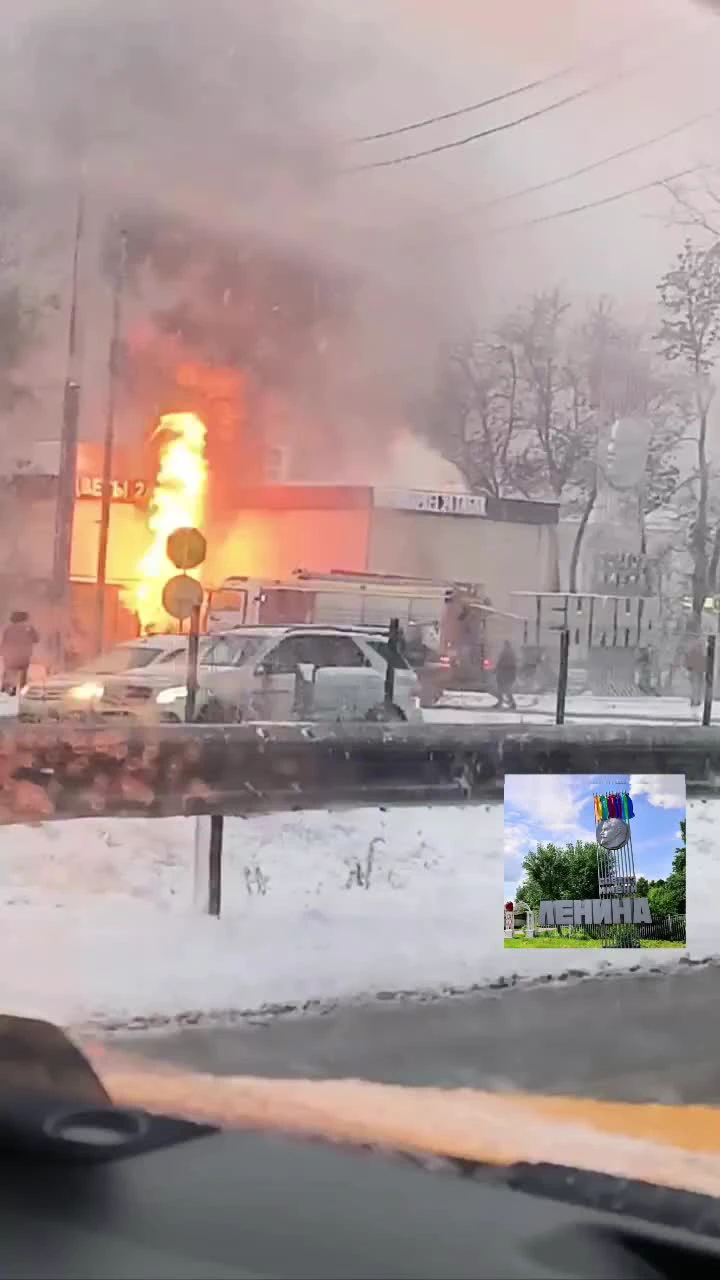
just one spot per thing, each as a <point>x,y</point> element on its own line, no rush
<point>505,676</point>
<point>18,641</point>
<point>695,667</point>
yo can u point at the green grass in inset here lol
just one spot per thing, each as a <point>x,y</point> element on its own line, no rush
<point>574,943</point>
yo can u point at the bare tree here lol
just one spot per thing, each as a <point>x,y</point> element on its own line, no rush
<point>512,407</point>
<point>561,425</point>
<point>519,410</point>
<point>697,205</point>
<point>690,334</point>
<point>476,418</point>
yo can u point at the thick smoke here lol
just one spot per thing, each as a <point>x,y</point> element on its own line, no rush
<point>234,115</point>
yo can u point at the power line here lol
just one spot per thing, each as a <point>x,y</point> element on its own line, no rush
<point>509,93</point>
<point>497,128</point>
<point>489,102</point>
<point>598,204</point>
<point>463,111</point>
<point>506,125</point>
<point>633,149</point>
<point>613,198</point>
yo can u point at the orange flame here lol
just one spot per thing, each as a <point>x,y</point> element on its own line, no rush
<point>178,501</point>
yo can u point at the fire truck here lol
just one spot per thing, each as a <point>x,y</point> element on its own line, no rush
<point>450,631</point>
<point>334,599</point>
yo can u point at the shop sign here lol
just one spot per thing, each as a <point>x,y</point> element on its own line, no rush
<point>121,490</point>
<point>431,502</point>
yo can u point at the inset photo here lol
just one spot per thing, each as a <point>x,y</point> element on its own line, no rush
<point>595,860</point>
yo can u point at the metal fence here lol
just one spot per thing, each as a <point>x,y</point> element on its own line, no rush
<point>627,685</point>
<point>670,928</point>
<point>50,773</point>
<point>63,771</point>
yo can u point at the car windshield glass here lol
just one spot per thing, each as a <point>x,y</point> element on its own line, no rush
<point>231,650</point>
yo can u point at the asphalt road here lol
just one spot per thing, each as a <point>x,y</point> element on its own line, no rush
<point>646,1037</point>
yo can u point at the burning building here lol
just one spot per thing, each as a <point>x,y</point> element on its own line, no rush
<point>276,529</point>
<point>401,527</point>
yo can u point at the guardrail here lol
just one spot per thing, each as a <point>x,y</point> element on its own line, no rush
<point>49,774</point>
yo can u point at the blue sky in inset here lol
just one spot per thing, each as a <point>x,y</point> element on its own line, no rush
<point>558,808</point>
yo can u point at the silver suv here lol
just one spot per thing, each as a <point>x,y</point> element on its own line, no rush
<point>272,673</point>
<point>71,693</point>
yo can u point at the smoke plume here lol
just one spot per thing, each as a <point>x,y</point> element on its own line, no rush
<point>236,117</point>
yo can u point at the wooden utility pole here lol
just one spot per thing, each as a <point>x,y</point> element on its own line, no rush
<point>106,498</point>
<point>65,504</point>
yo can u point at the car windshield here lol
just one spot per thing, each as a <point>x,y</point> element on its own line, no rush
<point>360,537</point>
<point>231,650</point>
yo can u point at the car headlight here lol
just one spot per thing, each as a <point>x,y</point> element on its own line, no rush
<point>89,692</point>
<point>171,695</point>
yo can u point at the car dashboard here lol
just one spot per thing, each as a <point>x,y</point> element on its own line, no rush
<point>102,1192</point>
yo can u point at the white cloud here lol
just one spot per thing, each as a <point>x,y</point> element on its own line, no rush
<point>551,802</point>
<point>663,791</point>
<point>519,839</point>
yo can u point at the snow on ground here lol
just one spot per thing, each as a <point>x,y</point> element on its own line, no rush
<point>472,708</point>
<point>97,918</point>
<point>467,708</point>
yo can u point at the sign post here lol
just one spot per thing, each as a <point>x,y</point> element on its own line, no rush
<point>709,680</point>
<point>182,598</point>
<point>192,666</point>
<point>562,676</point>
<point>393,650</point>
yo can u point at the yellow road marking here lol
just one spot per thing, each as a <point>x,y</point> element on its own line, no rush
<point>674,1146</point>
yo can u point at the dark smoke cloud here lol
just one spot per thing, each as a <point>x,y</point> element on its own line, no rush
<point>232,114</point>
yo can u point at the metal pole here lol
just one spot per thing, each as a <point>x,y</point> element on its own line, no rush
<point>709,680</point>
<point>67,473</point>
<point>192,666</point>
<point>217,827</point>
<point>113,380</point>
<point>393,650</point>
<point>562,676</point>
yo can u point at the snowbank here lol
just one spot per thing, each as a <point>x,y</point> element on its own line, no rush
<point>97,920</point>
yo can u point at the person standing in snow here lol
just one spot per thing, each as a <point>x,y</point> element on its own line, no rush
<point>506,675</point>
<point>695,667</point>
<point>18,641</point>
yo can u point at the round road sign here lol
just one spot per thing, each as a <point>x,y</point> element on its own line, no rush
<point>181,595</point>
<point>186,548</point>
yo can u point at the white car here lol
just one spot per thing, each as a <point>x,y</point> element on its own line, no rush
<point>252,673</point>
<point>73,692</point>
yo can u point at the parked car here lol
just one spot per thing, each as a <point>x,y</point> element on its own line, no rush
<point>257,673</point>
<point>72,693</point>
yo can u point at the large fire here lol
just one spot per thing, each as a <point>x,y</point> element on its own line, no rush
<point>178,500</point>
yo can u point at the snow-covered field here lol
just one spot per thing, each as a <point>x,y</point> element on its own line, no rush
<point>98,920</point>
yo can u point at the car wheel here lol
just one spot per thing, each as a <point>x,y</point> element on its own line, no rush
<point>383,714</point>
